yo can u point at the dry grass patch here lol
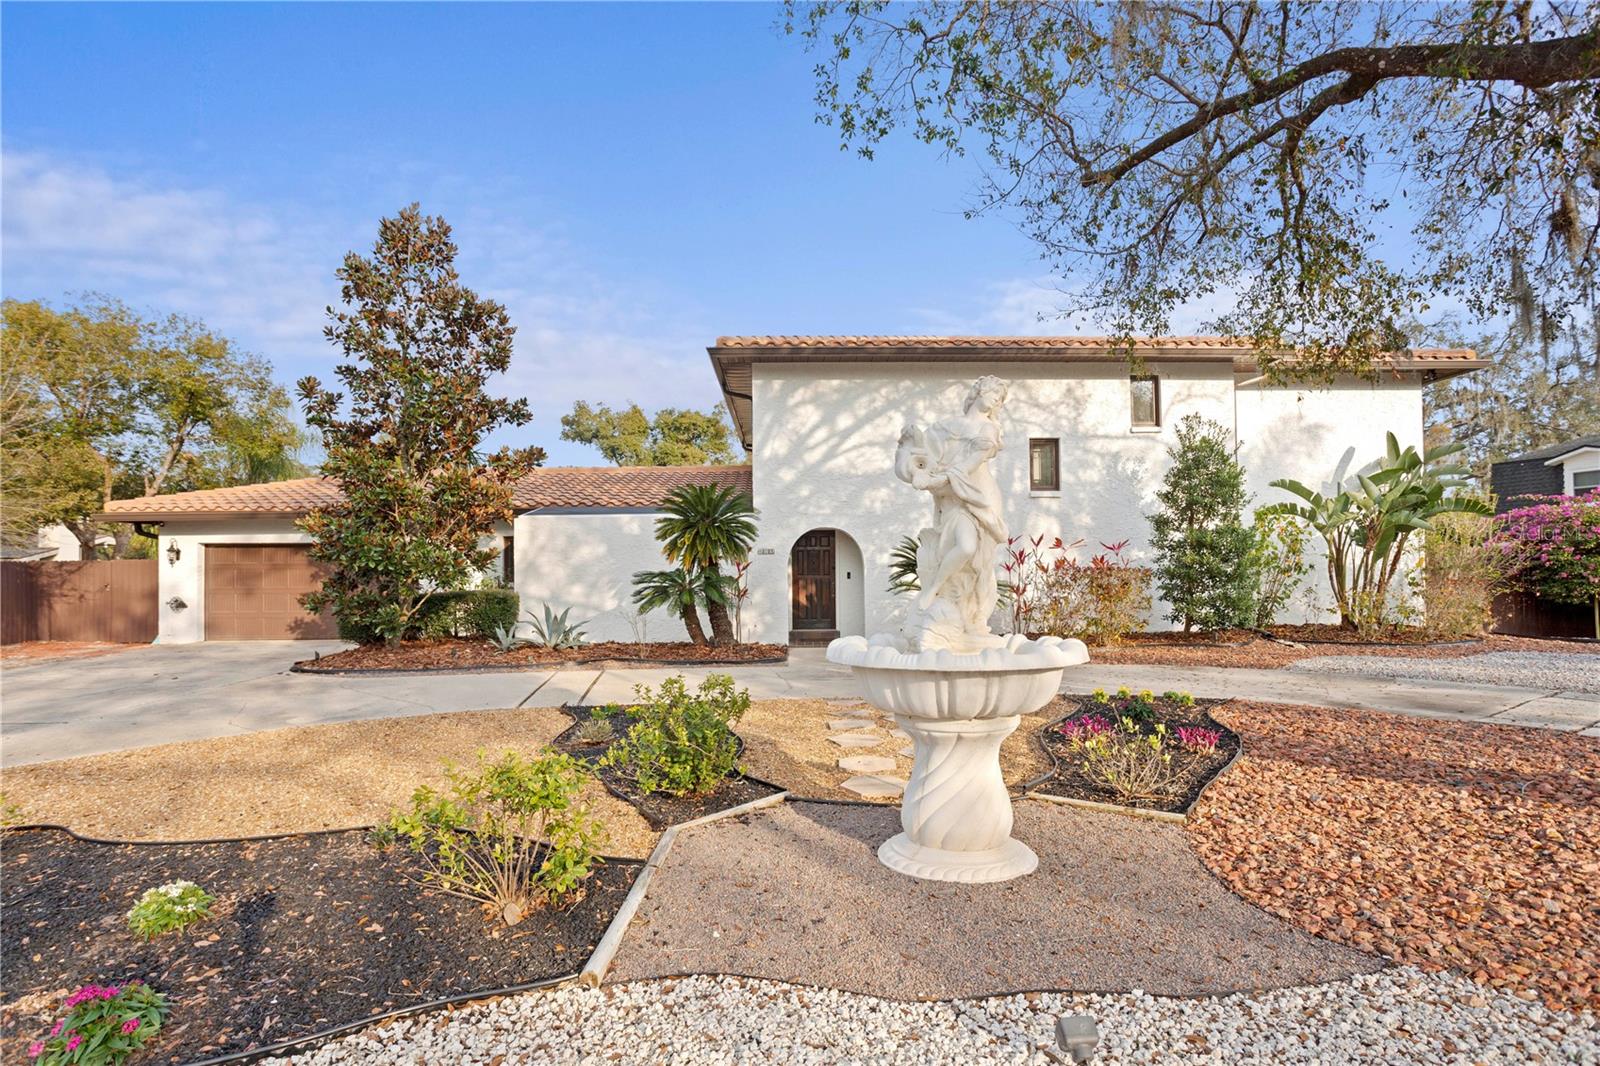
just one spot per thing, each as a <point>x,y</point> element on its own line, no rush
<point>287,780</point>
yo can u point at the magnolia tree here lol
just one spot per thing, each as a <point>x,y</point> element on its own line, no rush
<point>418,494</point>
<point>1552,549</point>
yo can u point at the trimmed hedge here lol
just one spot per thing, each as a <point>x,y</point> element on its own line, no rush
<point>464,613</point>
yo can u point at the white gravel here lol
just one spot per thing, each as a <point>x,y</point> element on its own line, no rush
<point>1556,671</point>
<point>1395,1017</point>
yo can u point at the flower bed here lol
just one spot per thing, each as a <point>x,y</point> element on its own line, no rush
<point>452,653</point>
<point>307,933</point>
<point>659,809</point>
<point>1137,750</point>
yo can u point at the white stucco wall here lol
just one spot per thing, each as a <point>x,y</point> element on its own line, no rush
<point>1586,460</point>
<point>185,579</point>
<point>587,562</point>
<point>824,438</point>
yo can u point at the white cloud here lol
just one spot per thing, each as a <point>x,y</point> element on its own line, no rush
<point>263,274</point>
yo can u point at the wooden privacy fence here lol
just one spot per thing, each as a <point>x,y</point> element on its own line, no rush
<point>106,600</point>
<point>1521,614</point>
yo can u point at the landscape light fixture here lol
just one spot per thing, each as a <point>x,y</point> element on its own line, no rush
<point>174,553</point>
<point>1077,1035</point>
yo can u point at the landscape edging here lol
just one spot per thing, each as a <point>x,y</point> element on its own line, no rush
<point>531,668</point>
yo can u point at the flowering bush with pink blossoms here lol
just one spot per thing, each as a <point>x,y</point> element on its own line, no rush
<point>1552,549</point>
<point>104,1024</point>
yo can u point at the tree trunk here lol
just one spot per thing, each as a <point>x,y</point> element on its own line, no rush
<point>721,623</point>
<point>87,533</point>
<point>691,622</point>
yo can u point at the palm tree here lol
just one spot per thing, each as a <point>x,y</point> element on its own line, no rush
<point>702,527</point>
<point>680,591</point>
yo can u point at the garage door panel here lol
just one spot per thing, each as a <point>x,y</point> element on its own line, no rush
<point>253,593</point>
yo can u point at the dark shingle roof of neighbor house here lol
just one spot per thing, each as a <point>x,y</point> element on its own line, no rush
<point>600,487</point>
<point>731,357</point>
<point>1551,451</point>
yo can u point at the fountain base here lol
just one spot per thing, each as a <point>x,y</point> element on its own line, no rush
<point>1011,859</point>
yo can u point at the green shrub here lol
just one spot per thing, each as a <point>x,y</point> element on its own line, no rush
<point>1460,576</point>
<point>510,833</point>
<point>462,613</point>
<point>1098,602</point>
<point>1202,547</point>
<point>678,743</point>
<point>1133,764</point>
<point>1278,558</point>
<point>174,905</point>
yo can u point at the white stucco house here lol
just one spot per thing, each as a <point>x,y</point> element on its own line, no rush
<point>1085,450</point>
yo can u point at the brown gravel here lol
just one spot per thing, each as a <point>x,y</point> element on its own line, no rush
<point>786,742</point>
<point>796,893</point>
<point>449,653</point>
<point>1472,847</point>
<point>1267,655</point>
<point>287,780</point>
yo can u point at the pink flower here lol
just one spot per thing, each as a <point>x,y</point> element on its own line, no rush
<point>36,1049</point>
<point>57,1030</point>
<point>72,1045</point>
<point>130,1025</point>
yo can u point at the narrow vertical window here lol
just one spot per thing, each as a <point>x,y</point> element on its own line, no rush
<point>1144,392</point>
<point>508,562</point>
<point>1044,464</point>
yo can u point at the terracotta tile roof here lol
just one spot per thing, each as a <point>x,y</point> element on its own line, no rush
<point>732,357</point>
<point>787,341</point>
<point>549,487</point>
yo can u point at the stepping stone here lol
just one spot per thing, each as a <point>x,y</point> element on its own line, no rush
<point>899,734</point>
<point>856,740</point>
<point>867,764</point>
<point>872,786</point>
<point>909,751</point>
<point>849,723</point>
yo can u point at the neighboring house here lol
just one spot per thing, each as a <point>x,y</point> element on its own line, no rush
<point>1565,469</point>
<point>54,543</point>
<point>1085,450</point>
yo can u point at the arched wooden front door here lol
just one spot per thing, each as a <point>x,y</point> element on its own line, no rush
<point>811,587</point>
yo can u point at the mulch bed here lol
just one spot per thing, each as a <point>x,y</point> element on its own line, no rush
<point>1323,633</point>
<point>659,809</point>
<point>1197,768</point>
<point>453,653</point>
<point>1264,654</point>
<point>1443,844</point>
<point>308,932</point>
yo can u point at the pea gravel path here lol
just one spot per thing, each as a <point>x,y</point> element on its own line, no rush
<point>1398,1018</point>
<point>1557,671</point>
<point>796,893</point>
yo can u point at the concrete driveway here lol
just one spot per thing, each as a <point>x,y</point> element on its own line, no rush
<point>164,693</point>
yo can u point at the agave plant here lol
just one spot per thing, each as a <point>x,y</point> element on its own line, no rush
<point>1367,524</point>
<point>554,631</point>
<point>505,638</point>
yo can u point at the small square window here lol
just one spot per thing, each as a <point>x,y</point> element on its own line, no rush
<point>1585,481</point>
<point>1144,392</point>
<point>1044,464</point>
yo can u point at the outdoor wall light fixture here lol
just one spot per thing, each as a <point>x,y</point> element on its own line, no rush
<point>176,604</point>
<point>174,553</point>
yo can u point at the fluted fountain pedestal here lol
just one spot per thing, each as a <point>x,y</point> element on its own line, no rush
<point>958,708</point>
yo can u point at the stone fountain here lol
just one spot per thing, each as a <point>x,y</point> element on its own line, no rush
<point>950,682</point>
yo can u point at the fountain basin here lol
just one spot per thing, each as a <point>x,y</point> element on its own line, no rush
<point>958,708</point>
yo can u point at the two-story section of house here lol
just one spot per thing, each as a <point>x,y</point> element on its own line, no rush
<point>1086,445</point>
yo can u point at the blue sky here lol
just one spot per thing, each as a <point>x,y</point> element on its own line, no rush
<point>631,180</point>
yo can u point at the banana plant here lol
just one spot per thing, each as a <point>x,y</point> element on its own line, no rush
<point>1368,523</point>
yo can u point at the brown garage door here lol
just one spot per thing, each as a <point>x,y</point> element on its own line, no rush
<point>253,593</point>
